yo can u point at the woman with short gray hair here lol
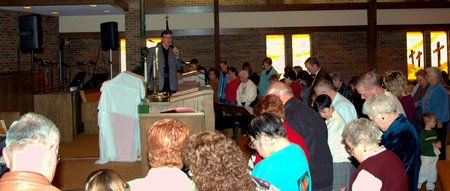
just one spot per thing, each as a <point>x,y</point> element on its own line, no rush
<point>399,136</point>
<point>362,138</point>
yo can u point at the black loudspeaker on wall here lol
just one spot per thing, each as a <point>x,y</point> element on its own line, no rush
<point>110,36</point>
<point>30,31</point>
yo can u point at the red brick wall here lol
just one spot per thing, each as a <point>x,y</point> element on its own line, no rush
<point>345,52</point>
<point>10,58</point>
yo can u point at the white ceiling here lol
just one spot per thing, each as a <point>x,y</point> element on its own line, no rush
<point>68,10</point>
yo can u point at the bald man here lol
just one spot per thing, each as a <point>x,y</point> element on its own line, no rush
<point>310,125</point>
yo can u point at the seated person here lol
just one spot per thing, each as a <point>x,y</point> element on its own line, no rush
<point>165,141</point>
<point>285,164</point>
<point>203,153</point>
<point>105,179</point>
<point>31,154</point>
<point>246,92</point>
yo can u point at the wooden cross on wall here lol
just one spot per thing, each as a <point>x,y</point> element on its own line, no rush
<point>412,56</point>
<point>418,57</point>
<point>438,51</point>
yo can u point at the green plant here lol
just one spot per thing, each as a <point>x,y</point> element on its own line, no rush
<point>139,69</point>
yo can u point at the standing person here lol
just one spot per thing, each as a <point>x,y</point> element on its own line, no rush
<point>309,124</point>
<point>435,101</point>
<point>285,164</point>
<point>273,104</point>
<point>223,79</point>
<point>399,135</point>
<point>429,152</point>
<point>305,81</point>
<point>290,78</point>
<point>355,98</point>
<point>253,76</point>
<point>265,75</point>
<point>165,141</point>
<point>369,85</point>
<point>246,92</point>
<point>396,83</point>
<point>314,68</point>
<point>195,66</point>
<point>379,168</point>
<point>341,104</point>
<point>31,154</point>
<point>168,64</point>
<point>421,86</point>
<point>418,92</point>
<point>232,86</point>
<point>214,82</point>
<point>342,166</point>
<point>340,85</point>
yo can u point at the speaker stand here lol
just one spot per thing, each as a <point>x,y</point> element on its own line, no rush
<point>110,64</point>
<point>32,62</point>
<point>62,69</point>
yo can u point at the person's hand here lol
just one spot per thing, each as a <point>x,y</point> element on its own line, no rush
<point>176,51</point>
<point>437,144</point>
<point>343,188</point>
<point>439,125</point>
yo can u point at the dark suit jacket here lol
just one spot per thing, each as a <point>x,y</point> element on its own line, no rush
<point>313,129</point>
<point>322,74</point>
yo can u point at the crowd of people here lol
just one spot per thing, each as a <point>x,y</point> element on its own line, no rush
<point>305,130</point>
<point>319,106</point>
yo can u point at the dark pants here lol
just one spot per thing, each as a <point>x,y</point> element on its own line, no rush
<point>442,134</point>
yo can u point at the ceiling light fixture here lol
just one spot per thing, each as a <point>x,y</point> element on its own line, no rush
<point>55,13</point>
<point>92,6</point>
<point>27,7</point>
<point>107,11</point>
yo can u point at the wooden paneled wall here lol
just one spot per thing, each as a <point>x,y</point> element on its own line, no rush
<point>16,92</point>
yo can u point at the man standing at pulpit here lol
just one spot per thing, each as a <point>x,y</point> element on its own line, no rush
<point>168,58</point>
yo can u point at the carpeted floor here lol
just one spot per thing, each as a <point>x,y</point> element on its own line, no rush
<point>78,161</point>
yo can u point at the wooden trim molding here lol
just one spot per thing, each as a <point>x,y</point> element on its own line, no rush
<point>293,7</point>
<point>283,30</point>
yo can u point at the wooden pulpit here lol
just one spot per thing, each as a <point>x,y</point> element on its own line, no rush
<point>201,120</point>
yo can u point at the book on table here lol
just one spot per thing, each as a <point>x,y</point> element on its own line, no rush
<point>178,110</point>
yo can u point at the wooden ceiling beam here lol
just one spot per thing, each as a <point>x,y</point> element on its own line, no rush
<point>117,3</point>
<point>152,9</point>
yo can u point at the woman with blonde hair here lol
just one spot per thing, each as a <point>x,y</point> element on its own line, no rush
<point>216,163</point>
<point>396,83</point>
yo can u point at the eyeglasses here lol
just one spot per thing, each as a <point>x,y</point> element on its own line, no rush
<point>251,145</point>
<point>350,150</point>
